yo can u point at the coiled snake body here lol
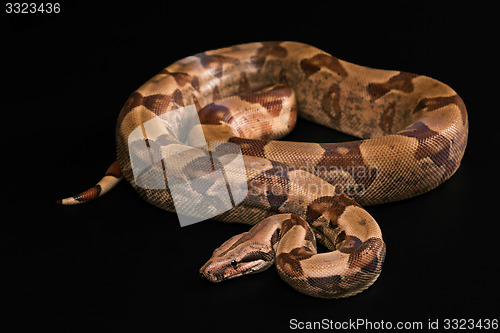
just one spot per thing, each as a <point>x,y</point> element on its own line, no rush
<point>414,131</point>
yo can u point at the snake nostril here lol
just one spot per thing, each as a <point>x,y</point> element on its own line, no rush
<point>204,274</point>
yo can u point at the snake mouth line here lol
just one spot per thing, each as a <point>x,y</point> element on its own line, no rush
<point>220,277</point>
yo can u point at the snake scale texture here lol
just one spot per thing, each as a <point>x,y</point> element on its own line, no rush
<point>413,132</point>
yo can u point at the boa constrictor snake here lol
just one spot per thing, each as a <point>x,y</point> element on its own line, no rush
<point>413,128</point>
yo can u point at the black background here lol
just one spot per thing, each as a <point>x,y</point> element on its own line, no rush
<point>65,78</point>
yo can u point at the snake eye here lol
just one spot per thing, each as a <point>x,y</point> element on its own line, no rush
<point>234,263</point>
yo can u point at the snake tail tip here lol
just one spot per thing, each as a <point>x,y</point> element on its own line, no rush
<point>67,201</point>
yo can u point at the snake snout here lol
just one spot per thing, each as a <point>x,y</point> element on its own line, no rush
<point>213,271</point>
<point>207,275</point>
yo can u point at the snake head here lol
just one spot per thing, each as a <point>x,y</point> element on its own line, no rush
<point>238,256</point>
